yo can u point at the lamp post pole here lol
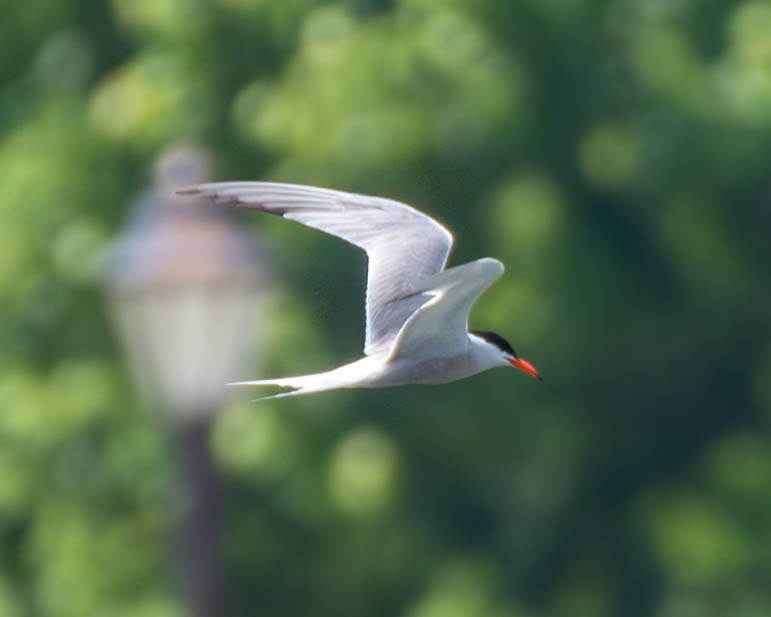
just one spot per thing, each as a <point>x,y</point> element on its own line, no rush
<point>198,539</point>
<point>182,288</point>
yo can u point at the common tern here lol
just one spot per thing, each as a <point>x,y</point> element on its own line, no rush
<point>416,311</point>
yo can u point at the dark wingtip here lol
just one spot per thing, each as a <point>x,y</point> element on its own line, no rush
<point>188,190</point>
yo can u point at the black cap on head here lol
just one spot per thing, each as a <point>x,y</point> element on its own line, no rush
<point>497,340</point>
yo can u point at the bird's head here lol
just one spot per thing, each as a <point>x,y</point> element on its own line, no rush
<point>503,352</point>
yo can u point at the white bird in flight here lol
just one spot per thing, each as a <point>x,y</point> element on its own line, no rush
<point>416,311</point>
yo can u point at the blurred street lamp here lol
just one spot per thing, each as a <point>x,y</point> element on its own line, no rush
<point>182,289</point>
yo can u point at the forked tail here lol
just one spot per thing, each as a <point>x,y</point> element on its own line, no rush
<point>347,376</point>
<point>302,384</point>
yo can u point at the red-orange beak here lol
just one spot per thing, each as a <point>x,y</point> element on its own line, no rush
<point>525,367</point>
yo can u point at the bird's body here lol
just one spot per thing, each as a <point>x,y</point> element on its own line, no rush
<point>417,312</point>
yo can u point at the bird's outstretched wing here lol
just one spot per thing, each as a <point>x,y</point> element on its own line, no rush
<point>404,246</point>
<point>441,324</point>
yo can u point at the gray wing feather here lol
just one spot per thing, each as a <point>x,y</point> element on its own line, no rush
<point>441,324</point>
<point>404,246</point>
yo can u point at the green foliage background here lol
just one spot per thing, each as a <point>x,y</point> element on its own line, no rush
<point>615,154</point>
